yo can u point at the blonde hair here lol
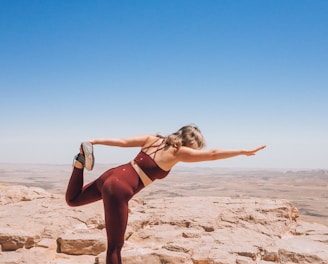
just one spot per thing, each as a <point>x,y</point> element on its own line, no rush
<point>189,136</point>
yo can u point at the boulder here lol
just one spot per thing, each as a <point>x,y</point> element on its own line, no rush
<point>91,243</point>
<point>11,239</point>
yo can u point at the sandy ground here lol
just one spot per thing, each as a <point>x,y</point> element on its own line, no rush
<point>307,189</point>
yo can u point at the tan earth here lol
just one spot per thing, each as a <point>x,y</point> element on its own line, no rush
<point>195,215</point>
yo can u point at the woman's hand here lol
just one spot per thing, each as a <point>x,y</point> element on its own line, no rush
<point>252,152</point>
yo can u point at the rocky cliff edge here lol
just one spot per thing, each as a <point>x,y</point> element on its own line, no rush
<point>38,227</point>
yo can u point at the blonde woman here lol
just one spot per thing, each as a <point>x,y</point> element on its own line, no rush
<point>118,185</point>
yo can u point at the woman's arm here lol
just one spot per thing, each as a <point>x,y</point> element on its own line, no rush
<point>137,141</point>
<point>185,154</point>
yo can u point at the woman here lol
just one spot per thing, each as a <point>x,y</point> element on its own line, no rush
<point>118,185</point>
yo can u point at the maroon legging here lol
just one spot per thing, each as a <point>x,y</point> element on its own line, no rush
<point>116,187</point>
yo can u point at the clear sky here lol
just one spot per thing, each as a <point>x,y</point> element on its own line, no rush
<point>246,72</point>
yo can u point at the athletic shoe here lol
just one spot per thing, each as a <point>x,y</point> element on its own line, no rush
<point>80,158</point>
<point>87,148</point>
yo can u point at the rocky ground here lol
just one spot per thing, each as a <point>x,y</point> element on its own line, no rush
<point>36,226</point>
<point>195,215</point>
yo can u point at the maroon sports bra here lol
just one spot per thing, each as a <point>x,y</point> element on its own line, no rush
<point>148,164</point>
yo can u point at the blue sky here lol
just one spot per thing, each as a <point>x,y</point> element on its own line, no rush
<point>246,72</point>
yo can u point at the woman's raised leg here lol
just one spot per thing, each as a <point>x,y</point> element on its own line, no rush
<point>76,193</point>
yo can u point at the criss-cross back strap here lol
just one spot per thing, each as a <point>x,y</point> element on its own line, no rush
<point>158,147</point>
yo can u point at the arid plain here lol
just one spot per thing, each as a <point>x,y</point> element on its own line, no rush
<point>306,189</point>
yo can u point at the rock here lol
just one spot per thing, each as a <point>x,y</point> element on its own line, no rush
<point>11,239</point>
<point>143,255</point>
<point>12,194</point>
<point>214,230</point>
<point>82,243</point>
<point>39,255</point>
<point>302,250</point>
<point>189,230</point>
<point>47,243</point>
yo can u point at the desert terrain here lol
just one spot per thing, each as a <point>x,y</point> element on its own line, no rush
<point>306,189</point>
<point>195,215</point>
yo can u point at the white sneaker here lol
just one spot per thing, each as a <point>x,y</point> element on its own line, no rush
<point>87,148</point>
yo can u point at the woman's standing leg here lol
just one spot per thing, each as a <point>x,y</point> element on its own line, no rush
<point>116,195</point>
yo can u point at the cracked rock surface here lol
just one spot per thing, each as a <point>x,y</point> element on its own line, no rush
<point>38,227</point>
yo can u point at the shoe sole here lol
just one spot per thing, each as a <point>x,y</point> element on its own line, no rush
<point>88,154</point>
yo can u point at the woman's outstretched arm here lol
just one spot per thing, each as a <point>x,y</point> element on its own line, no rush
<point>137,141</point>
<point>185,154</point>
